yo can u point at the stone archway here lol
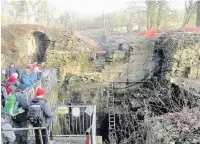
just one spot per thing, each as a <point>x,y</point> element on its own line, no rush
<point>42,42</point>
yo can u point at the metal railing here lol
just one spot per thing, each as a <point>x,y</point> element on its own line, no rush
<point>47,83</point>
<point>30,131</point>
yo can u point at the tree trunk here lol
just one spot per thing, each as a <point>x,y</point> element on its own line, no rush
<point>148,25</point>
<point>129,29</point>
<point>158,15</point>
<point>189,10</point>
<point>150,7</point>
<point>198,14</point>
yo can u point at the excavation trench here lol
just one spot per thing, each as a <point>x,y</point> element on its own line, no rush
<point>132,124</point>
<point>157,96</point>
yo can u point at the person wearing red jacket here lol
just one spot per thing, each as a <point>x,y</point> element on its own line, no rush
<point>11,82</point>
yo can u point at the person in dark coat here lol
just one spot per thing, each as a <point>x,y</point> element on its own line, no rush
<point>11,82</point>
<point>12,69</point>
<point>47,113</point>
<point>3,99</point>
<point>3,95</point>
<point>21,120</point>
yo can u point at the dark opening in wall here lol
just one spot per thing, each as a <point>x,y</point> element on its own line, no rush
<point>42,43</point>
<point>159,58</point>
<point>187,71</point>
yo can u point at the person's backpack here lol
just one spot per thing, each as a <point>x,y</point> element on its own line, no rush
<point>35,114</point>
<point>11,107</point>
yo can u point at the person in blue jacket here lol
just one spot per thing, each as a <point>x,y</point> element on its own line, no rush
<point>34,75</point>
<point>26,79</point>
<point>12,69</point>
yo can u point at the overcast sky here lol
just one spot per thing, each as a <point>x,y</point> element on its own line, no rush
<point>96,7</point>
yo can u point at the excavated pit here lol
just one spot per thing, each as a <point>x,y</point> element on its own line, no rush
<point>132,124</point>
<point>156,97</point>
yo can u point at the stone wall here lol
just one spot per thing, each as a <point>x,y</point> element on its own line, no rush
<point>179,54</point>
<point>19,43</point>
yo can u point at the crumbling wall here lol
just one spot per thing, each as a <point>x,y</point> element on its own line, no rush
<point>178,55</point>
<point>170,112</point>
<point>19,44</point>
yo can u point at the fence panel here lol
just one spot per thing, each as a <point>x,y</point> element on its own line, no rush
<point>74,121</point>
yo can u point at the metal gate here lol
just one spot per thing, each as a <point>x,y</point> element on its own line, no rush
<point>75,121</point>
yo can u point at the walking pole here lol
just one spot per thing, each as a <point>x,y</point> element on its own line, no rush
<point>40,134</point>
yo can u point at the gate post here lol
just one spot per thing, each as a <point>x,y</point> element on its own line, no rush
<point>94,126</point>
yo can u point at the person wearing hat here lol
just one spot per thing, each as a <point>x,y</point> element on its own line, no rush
<point>35,74</point>
<point>15,75</point>
<point>34,64</point>
<point>26,79</point>
<point>41,66</point>
<point>21,119</point>
<point>12,69</point>
<point>47,115</point>
<point>17,80</point>
<point>11,82</point>
<point>30,66</point>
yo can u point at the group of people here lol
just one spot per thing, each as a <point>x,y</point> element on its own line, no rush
<point>14,104</point>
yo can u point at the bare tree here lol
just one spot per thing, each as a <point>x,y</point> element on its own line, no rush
<point>131,13</point>
<point>198,14</point>
<point>110,21</point>
<point>129,20</point>
<point>65,18</point>
<point>151,13</point>
<point>161,4</point>
<point>189,10</point>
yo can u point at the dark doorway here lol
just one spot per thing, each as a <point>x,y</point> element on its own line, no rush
<point>42,43</point>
